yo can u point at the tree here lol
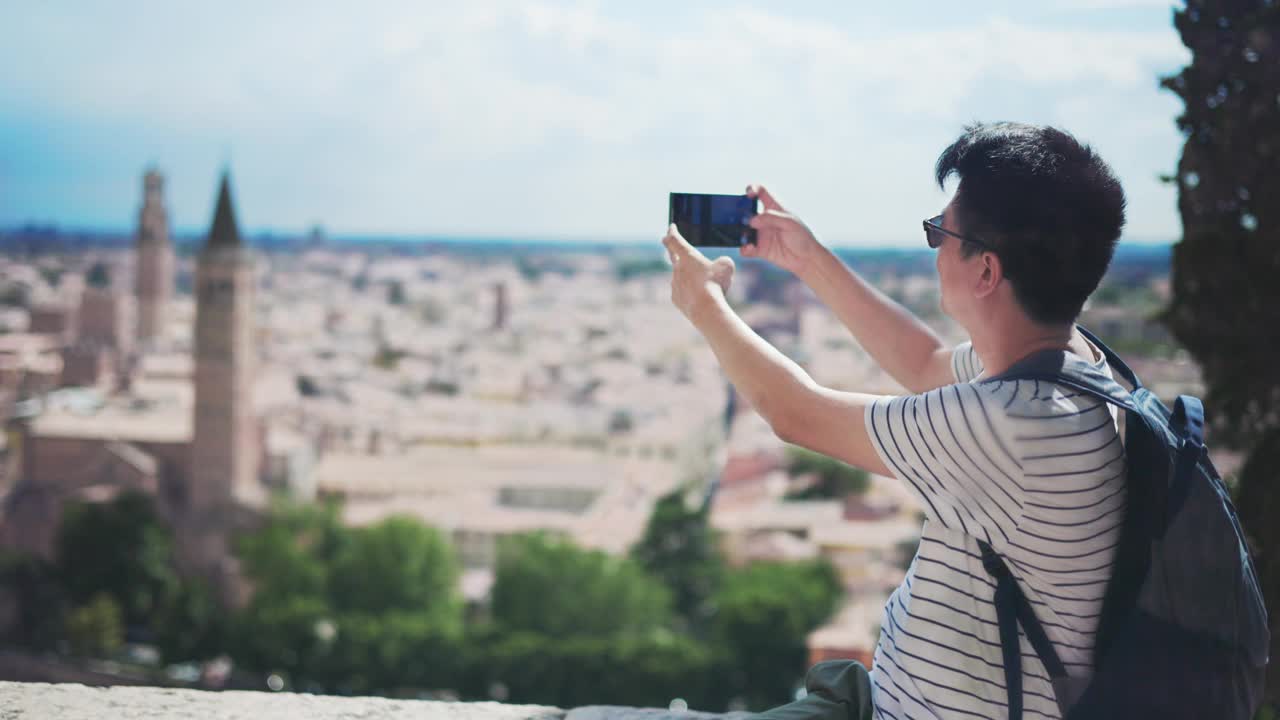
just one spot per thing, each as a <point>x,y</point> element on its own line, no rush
<point>835,479</point>
<point>398,564</point>
<point>120,548</point>
<point>190,625</point>
<point>98,276</point>
<point>395,293</point>
<point>32,584</point>
<point>287,560</point>
<point>364,610</point>
<point>547,586</point>
<point>764,614</point>
<point>1225,306</point>
<point>389,652</point>
<point>96,629</point>
<point>680,548</point>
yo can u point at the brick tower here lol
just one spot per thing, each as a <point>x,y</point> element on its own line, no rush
<point>224,446</point>
<point>155,260</point>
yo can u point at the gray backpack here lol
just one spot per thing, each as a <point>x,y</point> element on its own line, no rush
<point>1183,632</point>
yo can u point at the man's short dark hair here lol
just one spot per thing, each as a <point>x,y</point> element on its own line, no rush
<point>1050,206</point>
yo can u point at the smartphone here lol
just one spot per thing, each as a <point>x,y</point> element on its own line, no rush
<point>713,220</point>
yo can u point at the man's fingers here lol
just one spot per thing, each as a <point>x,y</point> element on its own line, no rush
<point>770,220</point>
<point>766,198</point>
<point>767,220</point>
<point>676,243</point>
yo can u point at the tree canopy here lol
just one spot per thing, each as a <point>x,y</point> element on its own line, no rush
<point>120,548</point>
<point>680,548</point>
<point>548,586</point>
<point>764,613</point>
<point>1225,307</point>
<point>833,479</point>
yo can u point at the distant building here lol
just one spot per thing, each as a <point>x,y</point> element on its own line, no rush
<point>105,333</point>
<point>500,308</point>
<point>196,450</point>
<point>155,268</point>
<point>54,318</point>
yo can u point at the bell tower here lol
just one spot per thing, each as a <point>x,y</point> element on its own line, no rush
<point>224,447</point>
<point>154,284</point>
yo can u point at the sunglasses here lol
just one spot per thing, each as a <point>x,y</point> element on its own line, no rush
<point>934,232</point>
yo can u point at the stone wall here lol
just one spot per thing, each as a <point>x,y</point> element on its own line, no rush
<point>29,701</point>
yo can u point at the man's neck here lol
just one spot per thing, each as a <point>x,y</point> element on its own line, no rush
<point>1001,345</point>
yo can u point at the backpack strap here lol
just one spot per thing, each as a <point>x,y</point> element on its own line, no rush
<point>1012,607</point>
<point>1187,423</point>
<point>1069,369</point>
<point>1113,360</point>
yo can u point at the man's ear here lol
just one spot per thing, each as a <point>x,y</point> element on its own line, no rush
<point>990,276</point>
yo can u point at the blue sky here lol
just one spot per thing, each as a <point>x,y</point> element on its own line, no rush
<point>561,119</point>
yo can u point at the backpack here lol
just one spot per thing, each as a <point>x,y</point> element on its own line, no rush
<point>1183,631</point>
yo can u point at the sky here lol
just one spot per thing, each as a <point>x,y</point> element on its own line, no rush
<point>561,119</point>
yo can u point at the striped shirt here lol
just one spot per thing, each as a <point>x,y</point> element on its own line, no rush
<point>1033,468</point>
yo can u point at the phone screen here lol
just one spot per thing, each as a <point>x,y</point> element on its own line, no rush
<point>713,220</point>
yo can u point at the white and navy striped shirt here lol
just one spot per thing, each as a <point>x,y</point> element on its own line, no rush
<point>1035,469</point>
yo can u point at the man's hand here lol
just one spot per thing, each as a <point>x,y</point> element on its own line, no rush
<point>781,238</point>
<point>695,280</point>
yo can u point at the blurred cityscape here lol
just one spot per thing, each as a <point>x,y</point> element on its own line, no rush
<point>485,390</point>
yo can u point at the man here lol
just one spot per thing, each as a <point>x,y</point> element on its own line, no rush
<point>1034,469</point>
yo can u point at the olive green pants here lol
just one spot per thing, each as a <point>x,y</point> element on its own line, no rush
<point>838,690</point>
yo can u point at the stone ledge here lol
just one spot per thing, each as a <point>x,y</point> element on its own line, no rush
<point>29,701</point>
<point>32,701</point>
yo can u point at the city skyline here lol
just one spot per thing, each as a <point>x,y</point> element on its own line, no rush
<point>562,120</point>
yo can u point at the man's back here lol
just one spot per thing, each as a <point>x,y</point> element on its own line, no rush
<point>1038,471</point>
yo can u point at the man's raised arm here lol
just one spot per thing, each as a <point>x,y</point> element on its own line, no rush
<point>907,348</point>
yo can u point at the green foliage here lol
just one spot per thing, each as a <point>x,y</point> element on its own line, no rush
<point>97,628</point>
<point>115,565</point>
<point>548,586</point>
<point>388,358</point>
<point>366,609</point>
<point>290,555</point>
<point>120,548</point>
<point>33,586</point>
<point>1136,297</point>
<point>281,634</point>
<point>15,294</point>
<point>51,275</point>
<point>98,276</point>
<point>1225,307</point>
<point>398,564</point>
<point>905,552</point>
<point>395,293</point>
<point>374,610</point>
<point>388,652</point>
<point>764,613</point>
<point>190,625</point>
<point>646,671</point>
<point>528,269</point>
<point>680,549</point>
<point>835,479</point>
<point>621,421</point>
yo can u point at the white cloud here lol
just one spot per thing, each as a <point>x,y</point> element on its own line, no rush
<point>471,99</point>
